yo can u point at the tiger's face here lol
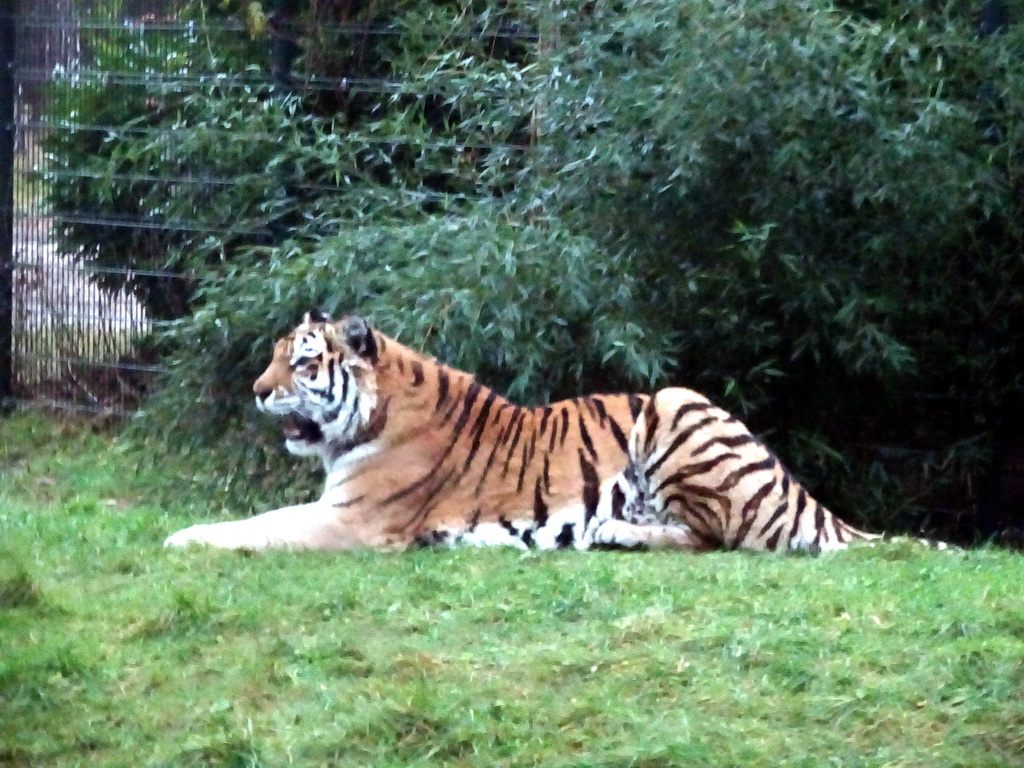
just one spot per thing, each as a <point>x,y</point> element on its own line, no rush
<point>321,382</point>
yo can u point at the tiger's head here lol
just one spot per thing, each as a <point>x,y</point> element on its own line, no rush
<point>321,381</point>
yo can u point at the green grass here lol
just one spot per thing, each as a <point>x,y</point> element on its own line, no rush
<point>115,652</point>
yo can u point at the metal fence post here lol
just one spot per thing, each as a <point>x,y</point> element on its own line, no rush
<point>286,46</point>
<point>8,18</point>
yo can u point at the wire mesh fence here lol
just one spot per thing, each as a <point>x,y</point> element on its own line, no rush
<point>72,339</point>
<point>96,235</point>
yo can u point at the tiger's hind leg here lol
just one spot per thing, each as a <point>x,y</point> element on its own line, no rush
<point>694,464</point>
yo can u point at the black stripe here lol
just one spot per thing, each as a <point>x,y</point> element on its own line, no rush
<point>467,408</point>
<point>494,452</point>
<point>478,428</point>
<point>547,474</point>
<point>554,435</point>
<point>680,438</point>
<point>540,508</point>
<point>801,505</point>
<point>773,540</point>
<point>345,376</point>
<point>518,415</point>
<point>528,453</point>
<point>565,426</point>
<point>512,447</point>
<point>324,393</point>
<point>754,502</point>
<point>651,424</point>
<point>688,408</point>
<point>602,413</point>
<point>533,448</point>
<point>400,364</point>
<point>523,462</point>
<point>447,415</point>
<point>442,387</point>
<point>330,375</point>
<point>591,488</point>
<point>350,416</point>
<point>636,403</point>
<point>618,502</point>
<point>839,530</point>
<point>819,521</point>
<point>588,402</point>
<point>696,512</point>
<point>738,474</point>
<point>692,470</point>
<point>378,421</point>
<point>474,520</point>
<point>729,442</point>
<point>702,492</point>
<point>587,442</point>
<point>618,434</point>
<point>411,487</point>
<point>779,512</point>
<point>544,420</point>
<point>748,514</point>
<point>783,492</point>
<point>425,506</point>
<point>417,373</point>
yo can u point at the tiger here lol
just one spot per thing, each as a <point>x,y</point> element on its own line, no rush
<point>418,453</point>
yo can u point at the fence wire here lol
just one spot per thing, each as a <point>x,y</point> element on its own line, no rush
<point>73,325</point>
<point>73,342</point>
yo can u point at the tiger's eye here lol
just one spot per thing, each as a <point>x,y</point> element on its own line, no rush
<point>305,362</point>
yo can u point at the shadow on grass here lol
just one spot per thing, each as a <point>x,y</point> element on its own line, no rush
<point>237,753</point>
<point>17,587</point>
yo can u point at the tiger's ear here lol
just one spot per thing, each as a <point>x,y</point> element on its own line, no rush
<point>315,316</point>
<point>359,336</point>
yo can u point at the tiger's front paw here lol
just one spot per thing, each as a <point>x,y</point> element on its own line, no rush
<point>194,534</point>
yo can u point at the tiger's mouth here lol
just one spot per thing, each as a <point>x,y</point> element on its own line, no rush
<point>301,429</point>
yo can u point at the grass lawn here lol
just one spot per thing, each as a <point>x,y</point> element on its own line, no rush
<point>115,652</point>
